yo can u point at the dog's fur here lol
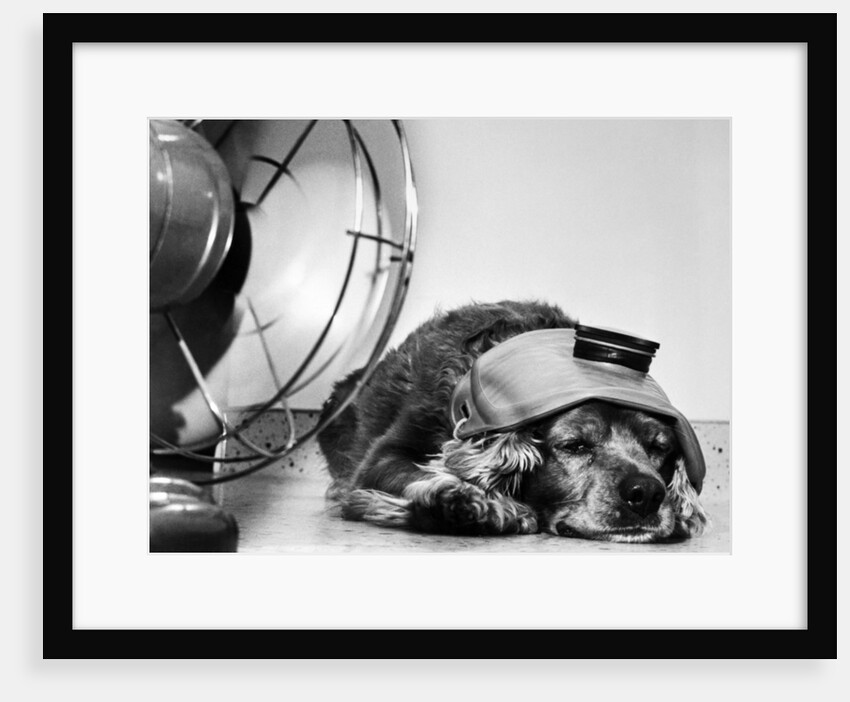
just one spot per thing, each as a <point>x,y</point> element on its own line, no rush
<point>595,471</point>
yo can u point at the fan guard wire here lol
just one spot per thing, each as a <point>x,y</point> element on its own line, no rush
<point>403,259</point>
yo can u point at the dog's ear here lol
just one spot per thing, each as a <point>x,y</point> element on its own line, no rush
<point>691,518</point>
<point>495,463</point>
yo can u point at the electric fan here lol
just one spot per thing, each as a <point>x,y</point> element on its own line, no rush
<point>280,256</point>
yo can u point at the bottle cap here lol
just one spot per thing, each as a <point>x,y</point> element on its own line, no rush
<point>614,346</point>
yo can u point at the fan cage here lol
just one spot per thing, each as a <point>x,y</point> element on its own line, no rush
<point>397,276</point>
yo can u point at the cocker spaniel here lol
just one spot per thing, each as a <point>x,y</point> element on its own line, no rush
<point>595,470</point>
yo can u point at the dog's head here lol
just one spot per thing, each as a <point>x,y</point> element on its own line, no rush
<point>595,471</point>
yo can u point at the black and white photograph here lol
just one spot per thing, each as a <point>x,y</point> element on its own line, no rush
<point>505,340</point>
<point>440,335</point>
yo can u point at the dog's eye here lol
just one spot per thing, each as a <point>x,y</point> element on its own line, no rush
<point>661,443</point>
<point>576,446</point>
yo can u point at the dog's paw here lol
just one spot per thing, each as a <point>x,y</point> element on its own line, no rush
<point>463,508</point>
<point>454,508</point>
<point>524,518</point>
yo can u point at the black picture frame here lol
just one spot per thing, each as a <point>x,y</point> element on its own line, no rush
<point>819,34</point>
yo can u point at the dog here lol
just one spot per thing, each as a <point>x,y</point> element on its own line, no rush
<point>595,471</point>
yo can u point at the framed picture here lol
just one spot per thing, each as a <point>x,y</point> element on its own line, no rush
<point>768,81</point>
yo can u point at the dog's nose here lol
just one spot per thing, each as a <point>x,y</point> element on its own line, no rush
<point>642,494</point>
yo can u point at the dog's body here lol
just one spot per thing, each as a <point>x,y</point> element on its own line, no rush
<point>595,471</point>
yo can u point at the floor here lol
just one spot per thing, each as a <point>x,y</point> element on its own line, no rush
<point>281,509</point>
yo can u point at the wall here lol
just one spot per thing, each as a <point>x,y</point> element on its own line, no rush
<point>624,224</point>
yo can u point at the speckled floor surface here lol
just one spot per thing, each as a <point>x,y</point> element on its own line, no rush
<point>281,509</point>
